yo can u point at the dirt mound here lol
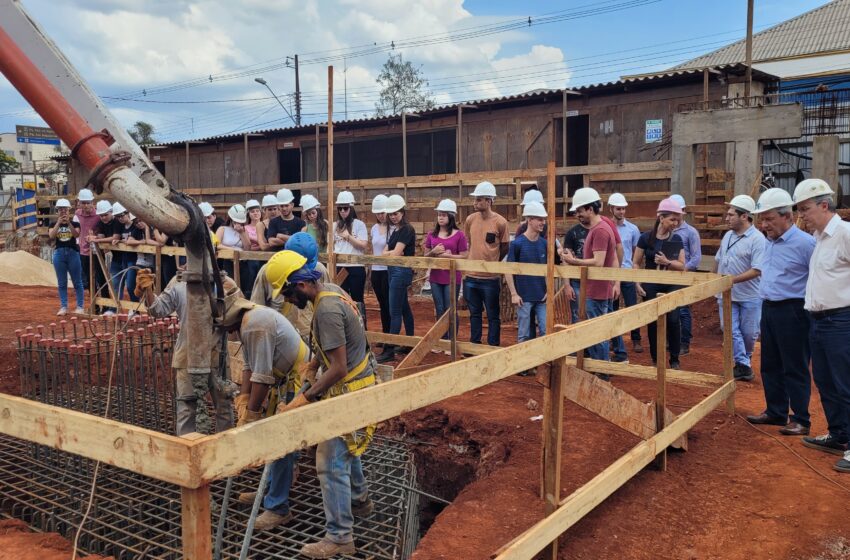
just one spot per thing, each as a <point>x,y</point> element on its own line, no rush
<point>23,269</point>
<point>19,543</point>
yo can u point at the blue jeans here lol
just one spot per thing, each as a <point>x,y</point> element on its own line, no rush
<point>746,316</point>
<point>276,499</point>
<point>118,280</point>
<point>523,317</point>
<point>685,324</point>
<point>400,279</point>
<point>596,308</point>
<point>785,358</point>
<point>67,261</point>
<point>342,481</point>
<point>442,301</point>
<point>617,345</point>
<point>629,291</point>
<point>576,286</point>
<point>831,370</point>
<point>483,294</point>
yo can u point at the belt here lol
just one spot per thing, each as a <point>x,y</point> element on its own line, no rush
<point>829,312</point>
<point>777,303</point>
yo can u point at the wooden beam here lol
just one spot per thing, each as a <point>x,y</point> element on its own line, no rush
<point>728,351</point>
<point>330,182</point>
<point>418,353</point>
<point>160,456</point>
<point>635,371</point>
<point>552,437</point>
<point>594,492</point>
<point>411,341</point>
<point>196,522</point>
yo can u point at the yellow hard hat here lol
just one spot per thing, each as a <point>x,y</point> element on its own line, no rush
<point>280,266</point>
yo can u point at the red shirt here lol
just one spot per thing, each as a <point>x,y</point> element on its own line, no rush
<point>610,222</point>
<point>600,238</point>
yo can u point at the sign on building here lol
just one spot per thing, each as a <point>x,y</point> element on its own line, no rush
<point>654,130</point>
<point>36,135</point>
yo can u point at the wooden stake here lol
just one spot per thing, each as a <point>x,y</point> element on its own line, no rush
<point>415,356</point>
<point>236,275</point>
<point>553,421</point>
<point>92,290</point>
<point>661,386</point>
<point>331,254</point>
<point>728,356</point>
<point>197,524</point>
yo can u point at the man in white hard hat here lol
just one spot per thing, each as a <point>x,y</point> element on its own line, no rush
<point>741,256</point>
<point>785,349</point>
<point>87,218</point>
<point>693,256</point>
<point>107,228</point>
<point>285,224</point>
<point>828,304</point>
<point>629,235</point>
<point>487,233</point>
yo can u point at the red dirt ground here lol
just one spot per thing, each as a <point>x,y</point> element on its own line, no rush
<point>736,494</point>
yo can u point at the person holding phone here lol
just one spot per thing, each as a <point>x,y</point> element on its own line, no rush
<point>662,249</point>
<point>66,255</point>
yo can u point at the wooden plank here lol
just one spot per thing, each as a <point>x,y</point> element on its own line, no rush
<point>552,437</point>
<point>634,371</point>
<point>160,456</point>
<point>124,304</point>
<point>418,353</point>
<point>631,176</point>
<point>600,487</point>
<point>196,523</point>
<point>232,451</point>
<point>411,341</point>
<point>728,357</point>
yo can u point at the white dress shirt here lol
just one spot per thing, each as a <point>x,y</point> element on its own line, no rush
<point>829,270</point>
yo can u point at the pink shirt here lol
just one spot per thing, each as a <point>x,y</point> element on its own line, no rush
<point>86,225</point>
<point>252,236</point>
<point>456,244</point>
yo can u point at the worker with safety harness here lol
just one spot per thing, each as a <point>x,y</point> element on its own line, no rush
<point>273,354</point>
<point>340,348</point>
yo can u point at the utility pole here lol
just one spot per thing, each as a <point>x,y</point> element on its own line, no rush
<point>297,94</point>
<point>749,77</point>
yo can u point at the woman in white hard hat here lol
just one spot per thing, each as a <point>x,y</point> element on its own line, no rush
<point>317,225</point>
<point>402,243</point>
<point>87,218</point>
<point>351,238</point>
<point>270,210</point>
<point>448,242</point>
<point>380,281</point>
<point>232,235</point>
<point>66,256</point>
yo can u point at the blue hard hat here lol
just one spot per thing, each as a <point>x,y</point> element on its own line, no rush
<point>304,244</point>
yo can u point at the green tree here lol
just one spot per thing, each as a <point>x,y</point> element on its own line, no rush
<point>403,86</point>
<point>8,164</point>
<point>142,133</point>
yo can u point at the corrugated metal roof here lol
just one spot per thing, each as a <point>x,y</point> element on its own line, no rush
<point>822,30</point>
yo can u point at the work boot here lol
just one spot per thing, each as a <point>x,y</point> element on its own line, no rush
<point>246,498</point>
<point>326,548</point>
<point>743,373</point>
<point>363,509</point>
<point>269,520</point>
<point>685,349</point>
<point>637,347</point>
<point>388,355</point>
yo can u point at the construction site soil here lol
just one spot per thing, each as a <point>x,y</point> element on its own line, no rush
<point>735,494</point>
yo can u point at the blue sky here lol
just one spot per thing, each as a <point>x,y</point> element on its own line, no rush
<point>124,48</point>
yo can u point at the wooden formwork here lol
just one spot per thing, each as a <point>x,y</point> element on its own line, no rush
<point>195,460</point>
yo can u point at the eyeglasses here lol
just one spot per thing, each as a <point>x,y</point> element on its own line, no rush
<point>344,208</point>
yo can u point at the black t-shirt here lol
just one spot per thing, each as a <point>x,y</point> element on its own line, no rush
<point>670,247</point>
<point>65,235</point>
<point>574,239</point>
<point>286,227</point>
<point>407,235</point>
<point>108,230</point>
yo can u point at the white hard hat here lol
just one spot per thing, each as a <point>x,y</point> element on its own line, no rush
<point>206,209</point>
<point>618,200</point>
<point>103,207</point>
<point>447,205</point>
<point>379,204</point>
<point>394,203</point>
<point>811,188</point>
<point>345,197</point>
<point>285,196</point>
<point>534,209</point>
<point>484,188</point>
<point>253,203</point>
<point>237,214</point>
<point>743,202</point>
<point>583,197</point>
<point>63,203</point>
<point>118,208</point>
<point>679,199</point>
<point>85,195</point>
<point>270,200</point>
<point>532,196</point>
<point>772,199</point>
<point>308,202</point>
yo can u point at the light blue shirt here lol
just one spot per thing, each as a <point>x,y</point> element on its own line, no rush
<point>692,243</point>
<point>629,234</point>
<point>738,254</point>
<point>785,265</point>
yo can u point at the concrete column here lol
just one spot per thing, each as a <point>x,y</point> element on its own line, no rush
<point>825,160</point>
<point>747,165</point>
<point>683,178</point>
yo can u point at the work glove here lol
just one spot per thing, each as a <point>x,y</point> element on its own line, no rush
<point>145,280</point>
<point>299,400</point>
<point>248,417</point>
<point>241,404</point>
<point>307,374</point>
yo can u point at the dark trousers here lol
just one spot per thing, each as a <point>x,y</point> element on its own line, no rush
<point>169,269</point>
<point>829,338</point>
<point>483,294</point>
<point>785,357</point>
<point>355,282</point>
<point>673,334</point>
<point>629,291</point>
<point>381,286</point>
<point>685,321</point>
<point>400,279</point>
<point>85,263</point>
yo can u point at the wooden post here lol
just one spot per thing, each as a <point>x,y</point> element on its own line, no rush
<point>749,52</point>
<point>404,143</point>
<point>459,155</point>
<point>197,523</point>
<point>187,185</point>
<point>453,307</point>
<point>92,290</point>
<point>331,255</point>
<point>318,167</point>
<point>236,275</point>
<point>550,249</point>
<point>705,76</point>
<point>661,381</point>
<point>248,161</point>
<point>728,357</point>
<point>564,134</point>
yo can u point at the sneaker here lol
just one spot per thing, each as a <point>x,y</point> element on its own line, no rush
<point>826,443</point>
<point>637,347</point>
<point>79,311</point>
<point>685,349</point>
<point>326,548</point>
<point>620,359</point>
<point>743,373</point>
<point>843,465</point>
<point>132,314</point>
<point>246,498</point>
<point>269,520</point>
<point>388,355</point>
<point>62,311</point>
<point>363,509</point>
<point>674,364</point>
<point>108,313</point>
